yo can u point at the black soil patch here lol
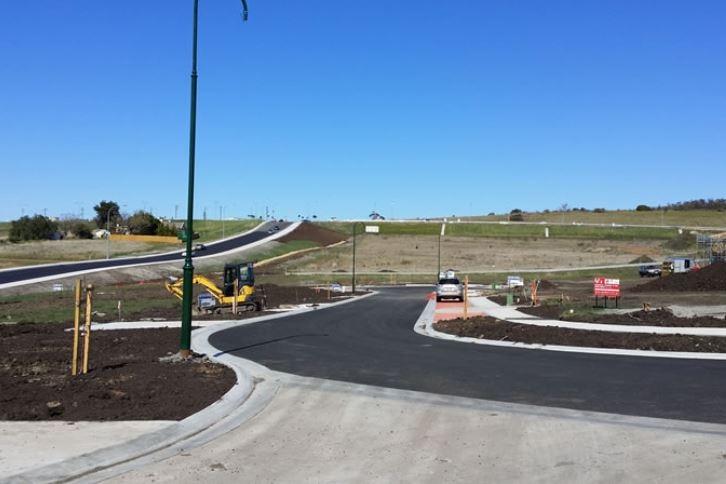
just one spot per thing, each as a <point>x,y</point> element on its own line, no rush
<point>314,233</point>
<point>710,278</point>
<point>126,380</point>
<point>545,285</point>
<point>655,317</point>
<point>493,329</point>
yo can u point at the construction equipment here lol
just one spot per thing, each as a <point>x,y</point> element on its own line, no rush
<point>678,265</point>
<point>238,293</point>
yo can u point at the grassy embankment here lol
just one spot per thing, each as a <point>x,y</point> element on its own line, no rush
<point>672,218</point>
<point>668,236</point>
<point>57,307</point>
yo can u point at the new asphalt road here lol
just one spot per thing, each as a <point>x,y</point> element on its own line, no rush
<point>371,342</point>
<point>47,272</point>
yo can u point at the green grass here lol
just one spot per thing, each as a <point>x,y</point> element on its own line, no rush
<point>675,218</point>
<point>513,230</point>
<point>210,230</point>
<point>58,307</point>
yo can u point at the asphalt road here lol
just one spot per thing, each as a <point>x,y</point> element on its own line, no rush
<point>372,342</point>
<point>59,270</point>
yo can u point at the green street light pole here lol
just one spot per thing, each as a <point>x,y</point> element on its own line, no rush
<point>187,288</point>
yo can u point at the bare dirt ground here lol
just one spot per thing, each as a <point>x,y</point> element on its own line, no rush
<point>419,254</point>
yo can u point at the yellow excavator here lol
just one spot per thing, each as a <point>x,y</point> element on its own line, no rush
<point>237,294</point>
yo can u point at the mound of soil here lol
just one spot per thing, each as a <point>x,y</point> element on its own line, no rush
<point>494,329</point>
<point>315,233</point>
<point>655,317</point>
<point>710,278</point>
<point>545,285</point>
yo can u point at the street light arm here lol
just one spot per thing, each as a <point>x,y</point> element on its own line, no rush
<point>244,10</point>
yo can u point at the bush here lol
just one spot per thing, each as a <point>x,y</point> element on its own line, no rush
<point>643,208</point>
<point>143,223</point>
<point>74,227</point>
<point>36,228</point>
<point>167,229</point>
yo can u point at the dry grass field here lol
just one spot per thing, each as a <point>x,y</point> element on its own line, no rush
<point>415,254</point>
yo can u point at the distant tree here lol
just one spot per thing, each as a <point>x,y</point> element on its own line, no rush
<point>516,215</point>
<point>167,230</point>
<point>599,210</point>
<point>76,227</point>
<point>27,228</point>
<point>700,204</point>
<point>107,211</point>
<point>643,208</point>
<point>143,223</point>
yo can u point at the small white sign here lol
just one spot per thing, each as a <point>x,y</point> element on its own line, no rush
<point>372,229</point>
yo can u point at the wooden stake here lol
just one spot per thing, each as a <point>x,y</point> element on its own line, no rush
<point>76,328</point>
<point>87,328</point>
<point>466,297</point>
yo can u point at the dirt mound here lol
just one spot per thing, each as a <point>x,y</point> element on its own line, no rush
<point>653,317</point>
<point>544,285</point>
<point>485,327</point>
<point>643,259</point>
<point>710,278</point>
<point>315,233</point>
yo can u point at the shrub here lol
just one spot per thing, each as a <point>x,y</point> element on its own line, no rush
<point>36,228</point>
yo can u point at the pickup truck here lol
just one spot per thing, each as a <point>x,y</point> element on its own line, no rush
<point>649,270</point>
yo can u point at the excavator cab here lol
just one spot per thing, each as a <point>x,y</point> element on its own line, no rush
<point>242,273</point>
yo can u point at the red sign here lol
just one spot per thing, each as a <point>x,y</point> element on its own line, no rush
<point>606,287</point>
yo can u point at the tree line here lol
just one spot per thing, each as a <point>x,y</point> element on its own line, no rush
<point>108,216</point>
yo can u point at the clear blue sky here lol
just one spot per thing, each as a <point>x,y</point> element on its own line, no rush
<point>337,108</point>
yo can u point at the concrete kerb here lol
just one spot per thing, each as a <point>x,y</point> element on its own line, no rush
<point>256,386</point>
<point>424,326</point>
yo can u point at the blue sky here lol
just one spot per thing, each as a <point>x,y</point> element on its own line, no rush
<point>337,108</point>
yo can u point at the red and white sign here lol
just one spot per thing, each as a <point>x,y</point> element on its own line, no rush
<point>606,287</point>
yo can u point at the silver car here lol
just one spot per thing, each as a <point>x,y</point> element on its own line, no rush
<point>449,288</point>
